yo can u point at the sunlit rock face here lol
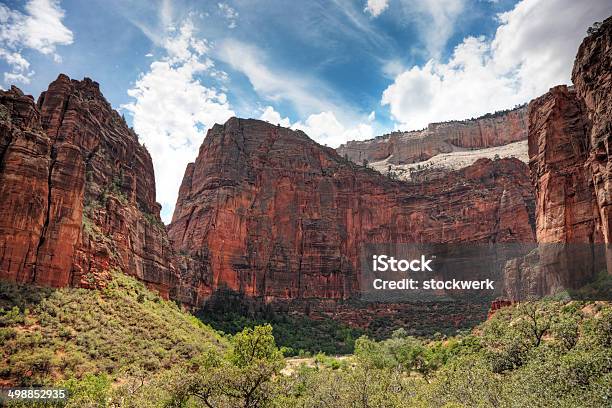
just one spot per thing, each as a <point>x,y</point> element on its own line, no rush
<point>558,150</point>
<point>566,209</point>
<point>400,148</point>
<point>268,212</point>
<point>78,192</point>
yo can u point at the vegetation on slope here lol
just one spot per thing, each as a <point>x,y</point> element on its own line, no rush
<point>296,334</point>
<point>544,353</point>
<point>231,313</point>
<point>48,335</point>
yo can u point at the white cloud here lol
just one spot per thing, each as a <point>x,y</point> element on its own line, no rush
<point>273,117</point>
<point>529,53</point>
<point>392,68</point>
<point>229,13</point>
<point>11,77</point>
<point>323,127</point>
<point>376,7</point>
<point>326,129</point>
<point>40,29</point>
<point>172,109</point>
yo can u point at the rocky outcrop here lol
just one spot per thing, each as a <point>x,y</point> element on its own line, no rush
<point>78,192</point>
<point>267,212</point>
<point>416,146</point>
<point>567,220</point>
<point>558,150</point>
<point>567,223</point>
<point>569,142</point>
<point>592,76</point>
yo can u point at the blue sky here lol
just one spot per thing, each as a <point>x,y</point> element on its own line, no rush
<point>338,69</point>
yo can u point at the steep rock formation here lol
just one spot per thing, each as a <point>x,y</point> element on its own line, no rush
<point>558,149</point>
<point>416,146</point>
<point>78,192</point>
<point>569,145</point>
<point>268,212</point>
<point>592,76</point>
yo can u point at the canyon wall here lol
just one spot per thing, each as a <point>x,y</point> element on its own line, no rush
<point>400,148</point>
<point>78,192</point>
<point>592,76</point>
<point>566,212</point>
<point>569,145</point>
<point>558,150</point>
<point>268,212</point>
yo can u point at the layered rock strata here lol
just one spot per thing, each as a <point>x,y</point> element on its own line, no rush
<point>401,148</point>
<point>592,76</point>
<point>78,192</point>
<point>267,212</point>
<point>569,144</point>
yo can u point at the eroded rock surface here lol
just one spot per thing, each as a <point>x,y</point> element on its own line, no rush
<point>592,76</point>
<point>569,146</point>
<point>267,212</point>
<point>78,192</point>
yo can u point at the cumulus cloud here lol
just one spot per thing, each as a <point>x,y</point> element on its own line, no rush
<point>376,7</point>
<point>40,28</point>
<point>172,109</point>
<point>323,127</point>
<point>272,116</point>
<point>529,53</point>
<point>326,129</point>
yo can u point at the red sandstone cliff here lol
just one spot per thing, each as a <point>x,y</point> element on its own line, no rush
<point>592,75</point>
<point>409,147</point>
<point>566,211</point>
<point>78,192</point>
<point>558,149</point>
<point>266,211</point>
<point>569,145</point>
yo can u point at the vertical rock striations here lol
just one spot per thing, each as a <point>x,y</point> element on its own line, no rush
<point>569,148</point>
<point>592,76</point>
<point>558,150</point>
<point>567,222</point>
<point>267,212</point>
<point>78,192</point>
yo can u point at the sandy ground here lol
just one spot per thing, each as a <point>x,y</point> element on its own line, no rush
<point>293,363</point>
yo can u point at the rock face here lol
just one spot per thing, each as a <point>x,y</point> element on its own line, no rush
<point>410,147</point>
<point>569,146</point>
<point>78,192</point>
<point>567,219</point>
<point>592,76</point>
<point>268,212</point>
<point>558,150</point>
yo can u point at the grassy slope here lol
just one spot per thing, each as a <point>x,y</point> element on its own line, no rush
<point>47,335</point>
